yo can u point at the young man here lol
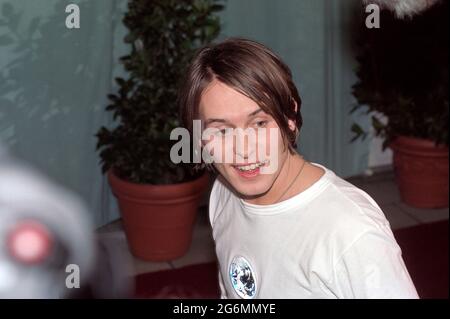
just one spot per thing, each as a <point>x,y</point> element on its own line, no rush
<point>299,231</point>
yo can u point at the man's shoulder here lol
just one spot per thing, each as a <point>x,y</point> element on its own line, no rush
<point>344,199</point>
<point>345,211</point>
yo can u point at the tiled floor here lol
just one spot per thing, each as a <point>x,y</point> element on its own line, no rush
<point>380,186</point>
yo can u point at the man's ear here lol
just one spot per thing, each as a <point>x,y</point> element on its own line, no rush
<point>291,123</point>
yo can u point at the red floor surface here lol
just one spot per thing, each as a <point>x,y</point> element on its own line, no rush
<point>425,251</point>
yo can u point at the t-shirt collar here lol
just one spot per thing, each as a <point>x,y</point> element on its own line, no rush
<point>294,202</point>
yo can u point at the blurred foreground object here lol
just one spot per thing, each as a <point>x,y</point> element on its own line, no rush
<point>43,229</point>
<point>403,8</point>
<point>47,244</point>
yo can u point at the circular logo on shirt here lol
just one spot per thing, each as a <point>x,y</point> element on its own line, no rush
<point>242,277</point>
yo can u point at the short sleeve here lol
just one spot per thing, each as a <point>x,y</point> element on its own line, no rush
<point>215,207</point>
<point>213,202</point>
<point>373,268</point>
<point>219,196</point>
<point>223,294</point>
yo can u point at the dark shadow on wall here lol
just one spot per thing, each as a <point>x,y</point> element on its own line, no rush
<point>46,76</point>
<point>33,86</point>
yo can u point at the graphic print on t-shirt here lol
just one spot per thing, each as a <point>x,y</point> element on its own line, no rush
<point>242,278</point>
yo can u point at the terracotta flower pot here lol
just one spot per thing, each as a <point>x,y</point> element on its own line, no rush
<point>158,219</point>
<point>421,172</point>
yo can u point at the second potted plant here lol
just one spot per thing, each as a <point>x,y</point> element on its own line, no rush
<point>403,75</point>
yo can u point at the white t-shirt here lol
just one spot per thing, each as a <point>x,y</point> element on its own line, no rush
<point>330,241</point>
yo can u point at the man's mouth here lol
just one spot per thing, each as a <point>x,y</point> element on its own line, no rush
<point>250,167</point>
<point>249,170</point>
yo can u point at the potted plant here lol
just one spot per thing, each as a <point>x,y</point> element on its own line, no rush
<point>157,199</point>
<point>403,75</point>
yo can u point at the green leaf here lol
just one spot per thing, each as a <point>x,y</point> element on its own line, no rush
<point>358,132</point>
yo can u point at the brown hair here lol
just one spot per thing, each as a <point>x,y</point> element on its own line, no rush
<point>253,70</point>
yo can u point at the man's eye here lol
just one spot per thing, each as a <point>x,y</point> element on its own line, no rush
<point>224,131</point>
<point>261,123</point>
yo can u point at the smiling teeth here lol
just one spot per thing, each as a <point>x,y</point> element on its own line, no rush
<point>251,167</point>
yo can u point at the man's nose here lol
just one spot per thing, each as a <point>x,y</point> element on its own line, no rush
<point>242,147</point>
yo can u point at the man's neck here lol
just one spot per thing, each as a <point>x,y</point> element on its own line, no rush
<point>285,185</point>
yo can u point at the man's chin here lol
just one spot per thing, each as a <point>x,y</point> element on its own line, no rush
<point>246,188</point>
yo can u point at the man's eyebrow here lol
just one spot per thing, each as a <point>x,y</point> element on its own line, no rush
<point>255,112</point>
<point>209,121</point>
<point>212,120</point>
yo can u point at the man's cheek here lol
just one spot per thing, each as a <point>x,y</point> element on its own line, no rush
<point>219,150</point>
<point>268,149</point>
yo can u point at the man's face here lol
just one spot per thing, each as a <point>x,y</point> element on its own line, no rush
<point>221,108</point>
